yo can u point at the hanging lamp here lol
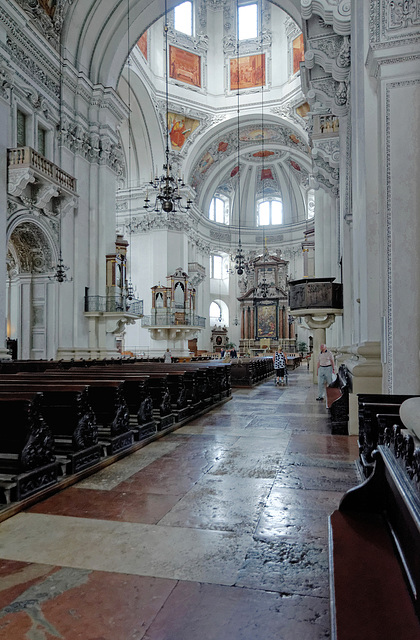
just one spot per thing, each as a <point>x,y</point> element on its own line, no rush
<point>129,289</point>
<point>168,198</point>
<point>264,286</point>
<point>239,257</point>
<point>60,274</point>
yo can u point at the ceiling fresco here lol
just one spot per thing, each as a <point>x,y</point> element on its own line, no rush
<point>225,146</point>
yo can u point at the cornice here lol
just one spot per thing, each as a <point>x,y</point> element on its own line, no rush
<point>393,23</point>
<point>29,66</point>
<point>334,12</point>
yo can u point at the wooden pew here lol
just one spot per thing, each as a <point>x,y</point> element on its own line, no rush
<point>375,548</point>
<point>338,401</point>
<point>201,387</point>
<point>27,458</point>
<point>369,406</point>
<point>106,399</point>
<point>134,390</point>
<point>67,412</point>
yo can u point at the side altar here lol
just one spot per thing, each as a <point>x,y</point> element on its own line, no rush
<point>266,322</point>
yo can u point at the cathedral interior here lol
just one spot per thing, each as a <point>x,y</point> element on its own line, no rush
<point>216,179</point>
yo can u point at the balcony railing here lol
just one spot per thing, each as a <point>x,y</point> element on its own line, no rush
<point>173,319</point>
<point>106,304</point>
<point>26,157</point>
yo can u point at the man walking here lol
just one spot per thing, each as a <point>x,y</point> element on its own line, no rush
<point>325,370</point>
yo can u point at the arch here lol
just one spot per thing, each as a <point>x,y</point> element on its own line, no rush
<point>32,246</point>
<point>95,32</point>
<point>223,319</point>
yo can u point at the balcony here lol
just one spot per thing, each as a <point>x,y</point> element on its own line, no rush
<point>29,169</point>
<point>175,319</point>
<point>106,304</point>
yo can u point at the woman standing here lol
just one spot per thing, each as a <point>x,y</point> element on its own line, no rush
<point>280,364</point>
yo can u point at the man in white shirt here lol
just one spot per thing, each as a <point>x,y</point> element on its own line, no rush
<point>325,370</point>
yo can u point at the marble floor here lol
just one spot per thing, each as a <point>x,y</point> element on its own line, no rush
<point>218,531</point>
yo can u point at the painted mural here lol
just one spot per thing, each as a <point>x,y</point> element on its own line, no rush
<point>303,110</point>
<point>266,321</point>
<point>247,72</point>
<point>142,44</point>
<point>49,6</point>
<point>266,174</point>
<point>298,52</point>
<point>180,128</point>
<point>263,154</point>
<point>248,135</point>
<point>184,66</point>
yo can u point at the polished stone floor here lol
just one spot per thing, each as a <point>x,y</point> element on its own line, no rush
<point>217,531</point>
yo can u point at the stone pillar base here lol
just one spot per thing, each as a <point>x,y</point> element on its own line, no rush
<point>365,367</point>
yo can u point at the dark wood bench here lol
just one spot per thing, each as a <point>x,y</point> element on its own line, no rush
<point>174,380</point>
<point>375,548</point>
<point>28,462</point>
<point>247,372</point>
<point>369,407</point>
<point>106,399</point>
<point>201,385</point>
<point>135,392</point>
<point>67,411</point>
<point>338,401</point>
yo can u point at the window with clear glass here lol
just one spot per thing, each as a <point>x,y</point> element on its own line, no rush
<point>183,18</point>
<point>42,137</point>
<point>215,313</point>
<point>270,212</point>
<point>20,129</point>
<point>248,21</point>
<point>216,267</point>
<point>219,210</point>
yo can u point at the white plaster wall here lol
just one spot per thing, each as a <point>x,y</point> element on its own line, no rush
<point>401,100</point>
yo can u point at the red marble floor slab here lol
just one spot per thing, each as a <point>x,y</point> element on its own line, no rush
<point>197,611</point>
<point>166,476</point>
<point>74,604</point>
<point>320,445</point>
<point>17,576</point>
<point>120,506</point>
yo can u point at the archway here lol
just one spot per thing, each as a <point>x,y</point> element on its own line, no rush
<point>31,292</point>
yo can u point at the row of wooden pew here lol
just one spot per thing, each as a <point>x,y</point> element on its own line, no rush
<point>60,419</point>
<point>375,533</point>
<point>247,372</point>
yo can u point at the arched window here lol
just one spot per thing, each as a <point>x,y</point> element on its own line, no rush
<point>269,212</point>
<point>219,210</point>
<point>183,20</point>
<point>219,313</point>
<point>215,313</point>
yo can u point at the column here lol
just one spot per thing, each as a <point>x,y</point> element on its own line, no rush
<point>4,117</point>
